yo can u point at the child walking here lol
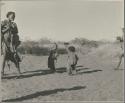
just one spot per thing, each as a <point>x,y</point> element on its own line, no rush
<point>72,58</point>
<point>52,58</point>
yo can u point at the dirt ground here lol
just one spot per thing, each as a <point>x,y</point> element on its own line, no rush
<point>95,80</point>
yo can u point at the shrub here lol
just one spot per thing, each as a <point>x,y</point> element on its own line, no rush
<point>62,51</point>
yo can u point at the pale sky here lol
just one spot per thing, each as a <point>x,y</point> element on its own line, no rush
<point>66,19</point>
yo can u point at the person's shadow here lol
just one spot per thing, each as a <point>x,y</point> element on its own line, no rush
<point>79,71</point>
<point>28,74</point>
<point>88,72</point>
<point>63,69</point>
<point>43,93</point>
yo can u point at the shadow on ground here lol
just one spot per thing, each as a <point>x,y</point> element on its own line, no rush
<point>63,69</point>
<point>78,70</point>
<point>43,93</point>
<point>39,72</point>
<point>89,72</point>
<point>28,74</point>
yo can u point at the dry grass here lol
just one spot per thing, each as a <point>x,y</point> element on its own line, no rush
<point>96,79</point>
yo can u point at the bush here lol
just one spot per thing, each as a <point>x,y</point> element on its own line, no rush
<point>39,48</point>
<point>62,51</point>
<point>83,41</point>
<point>34,50</point>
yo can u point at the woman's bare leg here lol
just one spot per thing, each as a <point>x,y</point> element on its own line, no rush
<point>3,63</point>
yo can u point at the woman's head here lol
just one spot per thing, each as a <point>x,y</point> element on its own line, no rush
<point>11,15</point>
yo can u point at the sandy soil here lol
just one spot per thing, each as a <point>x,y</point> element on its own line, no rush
<point>95,80</point>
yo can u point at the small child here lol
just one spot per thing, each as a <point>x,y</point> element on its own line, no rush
<point>72,58</point>
<point>52,58</point>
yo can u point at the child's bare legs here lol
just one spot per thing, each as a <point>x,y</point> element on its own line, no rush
<point>69,69</point>
<point>74,69</point>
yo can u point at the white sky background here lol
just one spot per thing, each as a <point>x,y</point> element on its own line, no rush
<point>66,19</point>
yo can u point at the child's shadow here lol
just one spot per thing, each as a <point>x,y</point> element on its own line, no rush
<point>63,69</point>
<point>88,72</point>
<point>79,69</point>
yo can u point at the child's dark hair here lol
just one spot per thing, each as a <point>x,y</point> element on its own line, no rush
<point>9,13</point>
<point>71,49</point>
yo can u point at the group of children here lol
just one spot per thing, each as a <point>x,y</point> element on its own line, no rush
<point>71,62</point>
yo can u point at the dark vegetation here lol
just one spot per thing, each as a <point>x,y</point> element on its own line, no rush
<point>43,46</point>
